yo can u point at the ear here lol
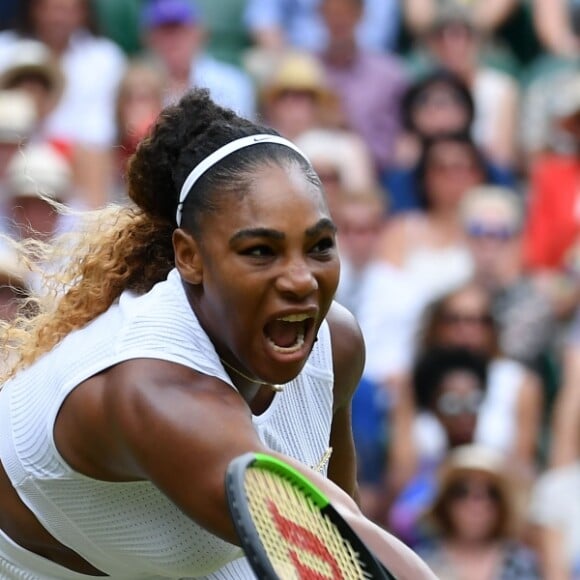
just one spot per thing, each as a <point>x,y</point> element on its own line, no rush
<point>188,258</point>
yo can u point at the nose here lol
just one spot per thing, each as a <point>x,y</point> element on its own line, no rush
<point>297,280</point>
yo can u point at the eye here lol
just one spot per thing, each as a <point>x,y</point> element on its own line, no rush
<point>324,245</point>
<point>258,251</point>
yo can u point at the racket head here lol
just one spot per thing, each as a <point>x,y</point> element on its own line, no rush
<point>287,527</point>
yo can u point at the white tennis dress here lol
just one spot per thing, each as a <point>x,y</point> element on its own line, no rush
<point>131,530</point>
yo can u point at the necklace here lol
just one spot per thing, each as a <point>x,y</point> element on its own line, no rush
<point>275,388</point>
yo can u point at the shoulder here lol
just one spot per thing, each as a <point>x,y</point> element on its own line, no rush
<point>348,351</point>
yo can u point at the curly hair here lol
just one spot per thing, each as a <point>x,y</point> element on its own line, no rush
<point>120,248</point>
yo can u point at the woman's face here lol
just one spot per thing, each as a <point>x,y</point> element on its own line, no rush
<point>270,271</point>
<point>457,404</point>
<point>466,321</point>
<point>438,109</point>
<point>451,170</point>
<point>473,507</point>
<point>56,20</point>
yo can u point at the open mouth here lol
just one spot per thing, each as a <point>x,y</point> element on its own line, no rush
<point>286,334</point>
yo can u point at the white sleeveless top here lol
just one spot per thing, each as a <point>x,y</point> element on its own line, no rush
<point>131,530</point>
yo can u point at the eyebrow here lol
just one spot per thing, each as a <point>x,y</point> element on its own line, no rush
<point>323,224</point>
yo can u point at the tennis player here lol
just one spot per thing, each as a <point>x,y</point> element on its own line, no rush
<point>185,331</point>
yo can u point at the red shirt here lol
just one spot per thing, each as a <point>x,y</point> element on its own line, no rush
<point>553,222</point>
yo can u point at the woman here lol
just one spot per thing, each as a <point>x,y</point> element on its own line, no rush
<point>429,245</point>
<point>510,416</point>
<point>475,520</point>
<point>449,385</point>
<point>187,330</point>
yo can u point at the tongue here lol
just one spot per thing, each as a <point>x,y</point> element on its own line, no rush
<point>284,334</point>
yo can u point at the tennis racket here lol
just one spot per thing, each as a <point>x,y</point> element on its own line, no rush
<point>289,530</point>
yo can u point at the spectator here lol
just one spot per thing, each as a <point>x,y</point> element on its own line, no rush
<point>295,96</point>
<point>369,85</point>
<point>139,102</point>
<point>341,159</point>
<point>437,103</point>
<point>34,176</point>
<point>174,37</point>
<point>360,218</point>
<point>493,218</point>
<point>33,69</point>
<point>555,502</point>
<point>92,66</point>
<point>454,42</point>
<point>551,242</point>
<point>387,325</point>
<point>370,426</point>
<point>429,245</point>
<point>475,519</point>
<point>448,386</point>
<point>282,24</point>
<point>510,416</point>
<point>555,515</point>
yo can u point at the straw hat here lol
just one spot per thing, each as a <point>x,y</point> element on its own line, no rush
<point>476,458</point>
<point>39,170</point>
<point>297,71</point>
<point>17,116</point>
<point>31,57</point>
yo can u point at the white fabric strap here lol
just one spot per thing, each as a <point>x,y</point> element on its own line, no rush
<point>222,152</point>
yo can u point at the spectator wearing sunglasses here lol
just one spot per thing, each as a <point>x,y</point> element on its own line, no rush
<point>492,217</point>
<point>448,386</point>
<point>510,417</point>
<point>475,521</point>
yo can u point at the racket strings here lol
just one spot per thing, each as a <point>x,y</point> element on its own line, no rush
<point>301,541</point>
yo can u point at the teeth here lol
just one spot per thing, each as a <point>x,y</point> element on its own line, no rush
<point>289,349</point>
<point>294,317</point>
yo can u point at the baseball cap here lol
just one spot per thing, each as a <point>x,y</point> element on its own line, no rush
<point>160,12</point>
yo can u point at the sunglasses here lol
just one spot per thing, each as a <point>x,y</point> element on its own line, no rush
<point>462,490</point>
<point>470,319</point>
<point>452,405</point>
<point>500,233</point>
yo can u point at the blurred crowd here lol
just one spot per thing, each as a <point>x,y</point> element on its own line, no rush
<point>447,136</point>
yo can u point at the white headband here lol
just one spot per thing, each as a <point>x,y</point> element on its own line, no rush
<point>219,154</point>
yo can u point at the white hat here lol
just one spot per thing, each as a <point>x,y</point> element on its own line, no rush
<point>17,116</point>
<point>31,57</point>
<point>39,169</point>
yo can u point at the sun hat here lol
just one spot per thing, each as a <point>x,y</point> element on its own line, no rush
<point>39,170</point>
<point>31,57</point>
<point>469,459</point>
<point>297,71</point>
<point>17,116</point>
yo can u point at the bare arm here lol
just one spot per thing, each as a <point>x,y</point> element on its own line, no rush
<point>551,541</point>
<point>553,28</point>
<point>529,414</point>
<point>157,421</point>
<point>348,362</point>
<point>565,446</point>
